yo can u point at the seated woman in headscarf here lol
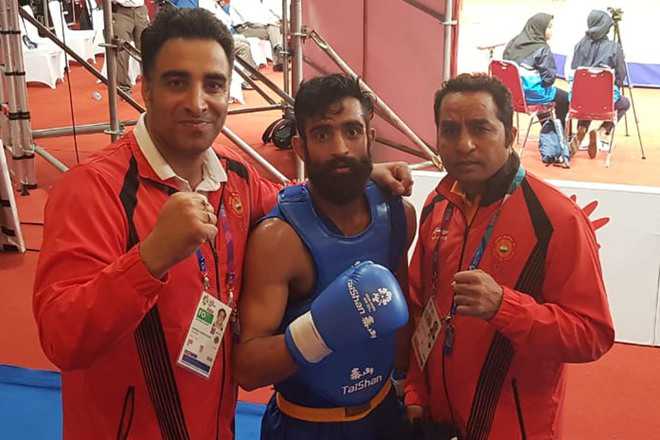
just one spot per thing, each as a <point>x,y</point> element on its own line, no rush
<point>596,50</point>
<point>531,52</point>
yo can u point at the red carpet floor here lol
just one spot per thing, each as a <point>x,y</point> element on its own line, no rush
<point>613,398</point>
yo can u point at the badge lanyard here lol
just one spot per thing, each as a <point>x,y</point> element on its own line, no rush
<point>476,258</point>
<point>229,245</point>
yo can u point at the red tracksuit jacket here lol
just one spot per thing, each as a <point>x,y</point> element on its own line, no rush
<point>543,252</point>
<point>92,291</point>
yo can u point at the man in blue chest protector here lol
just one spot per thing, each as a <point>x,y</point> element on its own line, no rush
<point>322,315</point>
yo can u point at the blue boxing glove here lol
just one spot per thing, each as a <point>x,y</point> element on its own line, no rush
<point>365,302</point>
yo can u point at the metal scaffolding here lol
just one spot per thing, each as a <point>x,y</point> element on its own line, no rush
<point>18,137</point>
<point>17,152</point>
<point>115,127</point>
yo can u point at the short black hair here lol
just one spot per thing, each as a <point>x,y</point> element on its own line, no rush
<point>479,82</point>
<point>183,23</point>
<point>315,96</point>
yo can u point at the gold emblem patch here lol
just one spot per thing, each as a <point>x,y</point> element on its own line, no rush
<point>504,248</point>
<point>236,204</point>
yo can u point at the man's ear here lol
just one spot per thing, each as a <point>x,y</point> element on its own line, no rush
<point>145,89</point>
<point>298,146</point>
<point>512,135</point>
<point>371,138</point>
<point>372,134</point>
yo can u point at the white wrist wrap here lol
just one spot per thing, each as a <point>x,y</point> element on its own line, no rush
<point>307,339</point>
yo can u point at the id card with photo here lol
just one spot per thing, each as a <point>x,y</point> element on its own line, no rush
<point>427,331</point>
<point>205,333</point>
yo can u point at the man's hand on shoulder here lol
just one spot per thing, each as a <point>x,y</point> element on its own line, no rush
<point>394,177</point>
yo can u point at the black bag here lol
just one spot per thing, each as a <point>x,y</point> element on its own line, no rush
<point>26,40</point>
<point>281,132</point>
<point>28,43</point>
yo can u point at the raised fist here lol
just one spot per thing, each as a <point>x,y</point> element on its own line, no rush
<point>184,223</point>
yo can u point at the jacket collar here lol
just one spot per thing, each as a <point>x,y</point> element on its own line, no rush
<point>496,186</point>
<point>153,166</point>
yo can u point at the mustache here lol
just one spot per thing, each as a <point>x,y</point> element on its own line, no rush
<point>343,162</point>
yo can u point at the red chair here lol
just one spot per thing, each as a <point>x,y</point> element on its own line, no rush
<point>592,99</point>
<point>508,73</point>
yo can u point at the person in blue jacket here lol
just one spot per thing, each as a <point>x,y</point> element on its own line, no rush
<point>596,50</point>
<point>530,50</point>
<point>181,4</point>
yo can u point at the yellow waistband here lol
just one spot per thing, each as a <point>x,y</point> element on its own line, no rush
<point>342,414</point>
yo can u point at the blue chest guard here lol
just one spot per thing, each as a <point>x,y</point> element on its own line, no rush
<point>354,375</point>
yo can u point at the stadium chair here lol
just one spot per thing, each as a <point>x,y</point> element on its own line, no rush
<point>507,72</point>
<point>592,99</point>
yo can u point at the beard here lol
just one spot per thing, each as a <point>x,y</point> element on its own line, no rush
<point>339,188</point>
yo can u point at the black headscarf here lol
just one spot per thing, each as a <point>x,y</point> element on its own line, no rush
<point>530,39</point>
<point>587,50</point>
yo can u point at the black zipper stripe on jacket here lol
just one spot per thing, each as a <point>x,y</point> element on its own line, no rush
<point>149,379</point>
<point>152,365</point>
<point>128,198</point>
<point>150,370</point>
<point>532,279</point>
<point>500,355</point>
<point>150,338</point>
<point>489,386</point>
<point>166,384</point>
<point>235,166</point>
<point>428,209</point>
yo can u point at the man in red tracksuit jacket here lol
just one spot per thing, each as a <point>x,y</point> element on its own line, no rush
<point>511,267</point>
<point>118,281</point>
<point>135,236</point>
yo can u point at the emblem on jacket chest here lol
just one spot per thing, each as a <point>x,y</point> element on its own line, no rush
<point>504,248</point>
<point>235,204</point>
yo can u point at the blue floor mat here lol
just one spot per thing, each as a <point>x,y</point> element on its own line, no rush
<point>31,407</point>
<point>30,404</point>
<point>248,420</point>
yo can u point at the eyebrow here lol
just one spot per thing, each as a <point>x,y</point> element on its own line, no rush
<point>182,73</point>
<point>318,127</point>
<point>353,122</point>
<point>216,76</point>
<point>174,74</point>
<point>324,125</point>
<point>478,121</point>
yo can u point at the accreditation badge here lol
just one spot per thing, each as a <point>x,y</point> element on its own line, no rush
<point>426,333</point>
<point>205,333</point>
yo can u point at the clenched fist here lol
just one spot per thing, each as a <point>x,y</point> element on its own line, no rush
<point>184,223</point>
<point>476,294</point>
